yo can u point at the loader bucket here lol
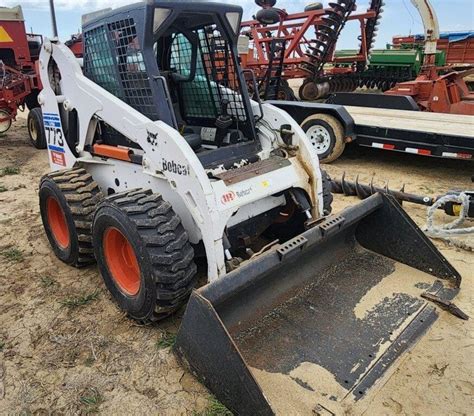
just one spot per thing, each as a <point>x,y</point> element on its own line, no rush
<point>310,326</point>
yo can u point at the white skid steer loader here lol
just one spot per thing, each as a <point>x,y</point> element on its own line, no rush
<point>160,159</point>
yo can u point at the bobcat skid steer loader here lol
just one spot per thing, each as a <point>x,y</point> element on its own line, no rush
<point>161,161</point>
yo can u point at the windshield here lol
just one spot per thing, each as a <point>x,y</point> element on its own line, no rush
<point>200,64</point>
<point>212,80</point>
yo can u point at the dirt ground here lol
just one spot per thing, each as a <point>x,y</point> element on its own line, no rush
<point>66,349</point>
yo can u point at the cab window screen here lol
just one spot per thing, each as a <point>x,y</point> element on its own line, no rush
<point>114,60</point>
<point>214,79</point>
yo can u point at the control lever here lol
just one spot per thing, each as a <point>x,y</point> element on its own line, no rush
<point>223,122</point>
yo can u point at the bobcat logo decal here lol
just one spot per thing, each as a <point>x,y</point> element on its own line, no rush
<point>152,138</point>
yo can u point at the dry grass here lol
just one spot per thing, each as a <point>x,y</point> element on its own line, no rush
<point>12,254</point>
<point>90,401</point>
<point>215,408</point>
<point>47,281</point>
<point>9,170</point>
<point>77,301</point>
<point>167,340</point>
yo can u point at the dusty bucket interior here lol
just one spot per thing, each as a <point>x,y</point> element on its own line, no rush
<point>312,332</point>
<point>327,341</point>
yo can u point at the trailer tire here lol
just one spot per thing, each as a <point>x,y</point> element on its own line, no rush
<point>326,134</point>
<point>327,194</point>
<point>36,128</point>
<point>68,200</point>
<point>139,224</point>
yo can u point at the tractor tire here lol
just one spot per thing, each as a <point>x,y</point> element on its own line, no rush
<point>36,128</point>
<point>326,134</point>
<point>144,254</point>
<point>68,200</point>
<point>327,194</point>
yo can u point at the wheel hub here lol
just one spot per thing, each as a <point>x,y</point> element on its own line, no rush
<point>33,131</point>
<point>57,222</point>
<point>121,261</point>
<point>320,138</point>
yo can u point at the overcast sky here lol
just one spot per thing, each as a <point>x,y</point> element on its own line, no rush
<point>399,18</point>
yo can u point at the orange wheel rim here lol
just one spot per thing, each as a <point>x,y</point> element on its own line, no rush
<point>57,222</point>
<point>121,261</point>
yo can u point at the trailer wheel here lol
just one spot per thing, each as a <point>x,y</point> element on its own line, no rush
<point>144,254</point>
<point>68,200</point>
<point>6,124</point>
<point>326,135</point>
<point>36,128</point>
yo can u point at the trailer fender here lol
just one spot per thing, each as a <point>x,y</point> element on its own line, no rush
<point>301,110</point>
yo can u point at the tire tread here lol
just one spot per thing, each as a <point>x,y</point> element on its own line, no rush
<point>167,243</point>
<point>82,195</point>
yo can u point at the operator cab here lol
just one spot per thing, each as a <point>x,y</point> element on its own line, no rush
<point>177,62</point>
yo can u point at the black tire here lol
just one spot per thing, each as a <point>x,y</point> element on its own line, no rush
<point>36,128</point>
<point>265,3</point>
<point>268,16</point>
<point>313,6</point>
<point>286,93</point>
<point>331,127</point>
<point>165,273</point>
<point>5,125</point>
<point>73,194</point>
<point>327,194</point>
<point>31,100</point>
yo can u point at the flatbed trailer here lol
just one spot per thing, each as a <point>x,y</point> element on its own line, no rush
<point>401,129</point>
<point>423,133</point>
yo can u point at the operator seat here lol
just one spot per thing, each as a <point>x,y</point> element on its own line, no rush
<point>193,139</point>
